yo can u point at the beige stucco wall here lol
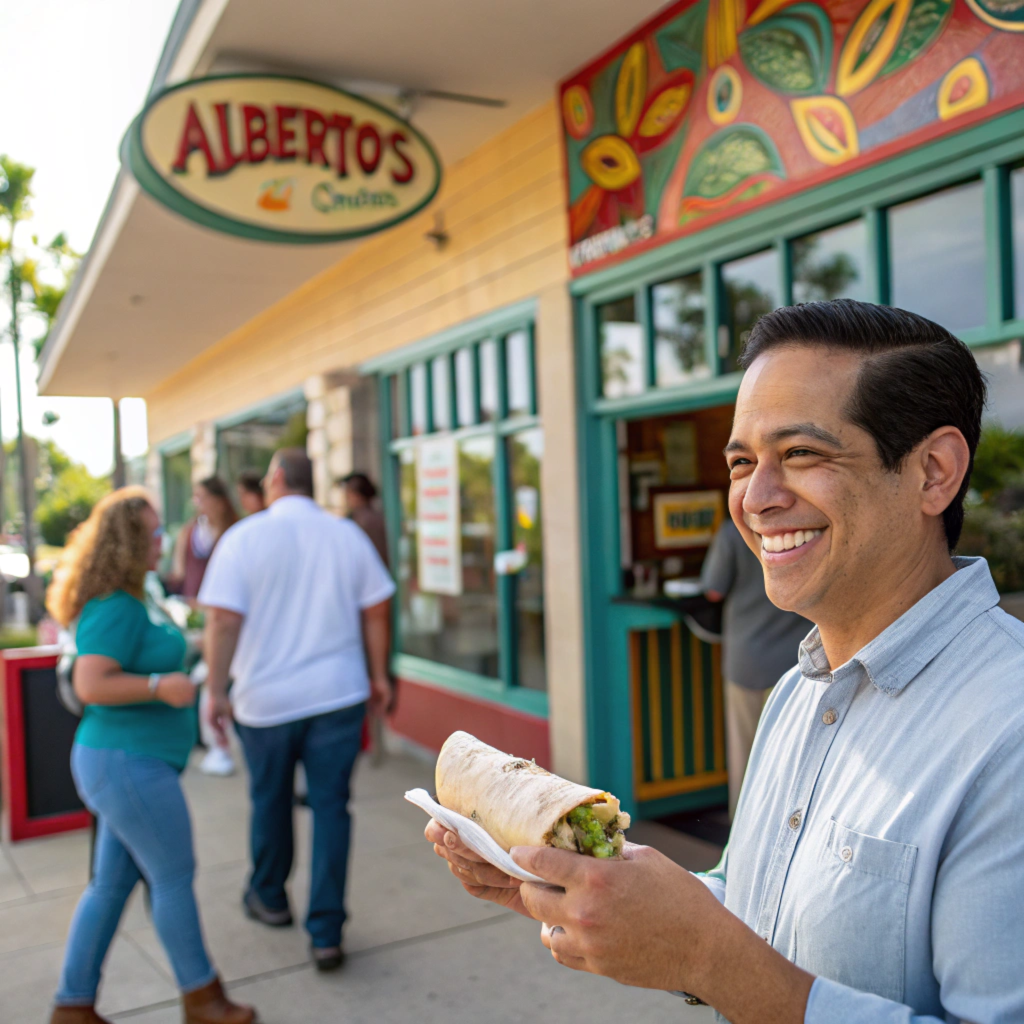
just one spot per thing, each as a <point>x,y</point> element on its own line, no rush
<point>503,208</point>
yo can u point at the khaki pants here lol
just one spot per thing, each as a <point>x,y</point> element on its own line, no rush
<point>743,709</point>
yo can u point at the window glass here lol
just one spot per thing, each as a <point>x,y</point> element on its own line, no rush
<point>525,453</point>
<point>622,349</point>
<point>831,264</point>
<point>177,490</point>
<point>395,390</point>
<point>440,393</point>
<point>751,287</point>
<point>460,630</point>
<point>937,256</point>
<point>517,373</point>
<point>679,351</point>
<point>465,389</point>
<point>488,380</point>
<point>418,398</point>
<point>1017,196</point>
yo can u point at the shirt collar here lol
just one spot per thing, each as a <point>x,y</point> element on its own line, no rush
<point>292,504</point>
<point>903,649</point>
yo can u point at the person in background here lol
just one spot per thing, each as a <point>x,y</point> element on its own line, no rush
<point>133,742</point>
<point>198,538</point>
<point>298,614</point>
<point>760,643</point>
<point>249,488</point>
<point>361,508</point>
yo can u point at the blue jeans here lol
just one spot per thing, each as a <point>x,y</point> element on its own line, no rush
<point>143,830</point>
<point>327,746</point>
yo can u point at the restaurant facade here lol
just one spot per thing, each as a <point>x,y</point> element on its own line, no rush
<point>536,354</point>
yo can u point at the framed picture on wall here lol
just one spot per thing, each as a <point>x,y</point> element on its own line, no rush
<point>687,519</point>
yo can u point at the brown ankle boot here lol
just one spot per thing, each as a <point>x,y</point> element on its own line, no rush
<point>76,1015</point>
<point>209,1005</point>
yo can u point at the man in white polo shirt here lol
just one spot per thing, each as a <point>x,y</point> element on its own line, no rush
<point>298,616</point>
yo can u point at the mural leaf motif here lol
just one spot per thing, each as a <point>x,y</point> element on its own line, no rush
<point>725,19</point>
<point>964,88</point>
<point>663,111</point>
<point>1007,15</point>
<point>827,128</point>
<point>870,44</point>
<point>924,23</point>
<point>610,162</point>
<point>790,52</point>
<point>577,112</point>
<point>681,42</point>
<point>729,159</point>
<point>630,89</point>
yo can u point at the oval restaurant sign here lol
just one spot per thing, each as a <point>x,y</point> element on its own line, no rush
<point>280,159</point>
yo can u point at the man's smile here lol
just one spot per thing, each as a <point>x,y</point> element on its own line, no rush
<point>779,547</point>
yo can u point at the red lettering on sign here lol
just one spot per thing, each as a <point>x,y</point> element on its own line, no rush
<point>342,123</point>
<point>316,132</point>
<point>193,138</point>
<point>404,176</point>
<point>255,121</point>
<point>228,157</point>
<point>368,133</point>
<point>285,150</point>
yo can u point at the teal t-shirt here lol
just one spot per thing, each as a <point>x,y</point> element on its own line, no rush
<point>141,640</point>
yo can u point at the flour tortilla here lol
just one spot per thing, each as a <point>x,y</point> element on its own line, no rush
<point>517,803</point>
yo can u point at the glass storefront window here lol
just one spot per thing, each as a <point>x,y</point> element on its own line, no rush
<point>465,398</point>
<point>622,349</point>
<point>459,630</point>
<point>396,398</point>
<point>525,454</point>
<point>751,287</point>
<point>488,380</point>
<point>831,264</point>
<point>418,398</point>
<point>937,256</point>
<point>680,354</point>
<point>177,490</point>
<point>440,393</point>
<point>1017,216</point>
<point>517,373</point>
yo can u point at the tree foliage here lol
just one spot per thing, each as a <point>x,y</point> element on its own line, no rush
<point>68,502</point>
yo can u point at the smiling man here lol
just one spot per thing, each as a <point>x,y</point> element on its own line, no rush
<point>875,871</point>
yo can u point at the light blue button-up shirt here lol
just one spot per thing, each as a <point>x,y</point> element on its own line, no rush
<point>879,837</point>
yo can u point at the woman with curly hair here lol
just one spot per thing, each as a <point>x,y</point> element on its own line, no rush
<point>133,742</point>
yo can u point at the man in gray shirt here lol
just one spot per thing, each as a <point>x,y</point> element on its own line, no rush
<point>760,643</point>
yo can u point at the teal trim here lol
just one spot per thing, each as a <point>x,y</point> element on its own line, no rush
<point>785,255</point>
<point>420,670</point>
<point>177,443</point>
<point>998,246</point>
<point>262,408</point>
<point>877,224</point>
<point>663,401</point>
<point>500,321</point>
<point>135,159</point>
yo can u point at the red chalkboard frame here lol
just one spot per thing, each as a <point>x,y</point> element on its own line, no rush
<point>17,824</point>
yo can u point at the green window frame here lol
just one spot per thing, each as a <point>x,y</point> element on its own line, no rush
<point>438,354</point>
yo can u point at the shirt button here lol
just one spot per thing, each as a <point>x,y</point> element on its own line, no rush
<point>794,820</point>
<point>846,853</point>
<point>829,718</point>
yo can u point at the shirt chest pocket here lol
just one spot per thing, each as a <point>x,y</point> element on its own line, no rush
<point>851,926</point>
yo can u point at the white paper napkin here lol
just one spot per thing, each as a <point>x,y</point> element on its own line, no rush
<point>474,836</point>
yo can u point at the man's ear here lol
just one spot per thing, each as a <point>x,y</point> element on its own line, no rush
<point>943,457</point>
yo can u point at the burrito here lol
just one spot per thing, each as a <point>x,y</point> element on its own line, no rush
<point>521,804</point>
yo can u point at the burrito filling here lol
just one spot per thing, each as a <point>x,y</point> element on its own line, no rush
<point>593,829</point>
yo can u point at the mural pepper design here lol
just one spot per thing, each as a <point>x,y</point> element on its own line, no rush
<point>716,106</point>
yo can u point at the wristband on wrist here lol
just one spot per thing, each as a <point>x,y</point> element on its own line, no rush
<point>154,682</point>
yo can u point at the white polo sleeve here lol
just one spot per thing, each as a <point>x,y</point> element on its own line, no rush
<point>226,583</point>
<point>373,582</point>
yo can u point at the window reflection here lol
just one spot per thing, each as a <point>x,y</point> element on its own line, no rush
<point>465,397</point>
<point>622,349</point>
<point>937,256</point>
<point>418,398</point>
<point>751,287</point>
<point>488,380</point>
<point>831,264</point>
<point>517,372</point>
<point>525,454</point>
<point>440,393</point>
<point>680,354</point>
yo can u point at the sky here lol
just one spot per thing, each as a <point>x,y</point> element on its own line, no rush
<point>79,71</point>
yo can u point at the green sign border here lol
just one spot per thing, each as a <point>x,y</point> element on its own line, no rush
<point>137,163</point>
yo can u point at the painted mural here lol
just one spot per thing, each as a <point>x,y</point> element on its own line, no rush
<point>716,106</point>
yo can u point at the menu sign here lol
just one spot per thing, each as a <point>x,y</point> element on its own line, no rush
<point>438,523</point>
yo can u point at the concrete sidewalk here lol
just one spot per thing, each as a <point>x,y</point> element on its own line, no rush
<point>419,948</point>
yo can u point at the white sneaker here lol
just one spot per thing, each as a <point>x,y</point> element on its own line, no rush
<point>217,762</point>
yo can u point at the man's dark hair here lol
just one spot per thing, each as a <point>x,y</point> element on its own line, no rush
<point>915,377</point>
<point>361,484</point>
<point>297,469</point>
<point>251,480</point>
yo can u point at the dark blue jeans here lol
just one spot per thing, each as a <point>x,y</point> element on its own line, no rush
<point>327,746</point>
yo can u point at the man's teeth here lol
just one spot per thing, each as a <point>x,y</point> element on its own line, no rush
<point>788,541</point>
